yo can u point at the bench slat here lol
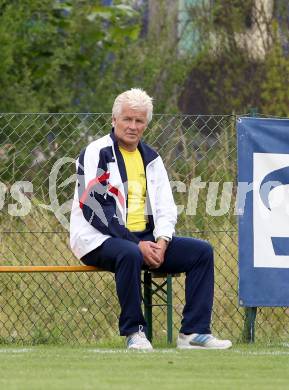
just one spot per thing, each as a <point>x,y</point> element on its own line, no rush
<point>64,268</point>
<point>49,268</point>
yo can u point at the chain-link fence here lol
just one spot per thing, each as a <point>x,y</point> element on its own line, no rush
<point>200,155</point>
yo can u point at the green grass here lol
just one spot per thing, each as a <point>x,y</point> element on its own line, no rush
<point>86,367</point>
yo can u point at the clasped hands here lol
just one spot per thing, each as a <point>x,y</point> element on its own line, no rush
<point>153,253</point>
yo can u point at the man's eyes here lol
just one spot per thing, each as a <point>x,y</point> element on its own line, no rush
<point>130,119</point>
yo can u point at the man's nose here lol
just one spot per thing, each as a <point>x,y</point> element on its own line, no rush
<point>133,124</point>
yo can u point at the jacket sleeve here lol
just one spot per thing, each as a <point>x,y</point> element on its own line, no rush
<point>165,208</point>
<point>97,197</point>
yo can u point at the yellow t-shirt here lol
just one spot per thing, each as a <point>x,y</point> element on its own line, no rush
<point>136,218</point>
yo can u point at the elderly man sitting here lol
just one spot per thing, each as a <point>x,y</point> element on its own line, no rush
<point>123,220</point>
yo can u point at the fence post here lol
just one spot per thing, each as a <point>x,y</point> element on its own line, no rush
<point>249,324</point>
<point>250,312</point>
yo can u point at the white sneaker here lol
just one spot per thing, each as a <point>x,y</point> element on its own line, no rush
<point>201,341</point>
<point>138,341</point>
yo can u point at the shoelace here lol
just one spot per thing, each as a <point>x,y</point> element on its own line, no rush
<point>138,336</point>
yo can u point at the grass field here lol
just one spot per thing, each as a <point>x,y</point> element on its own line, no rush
<point>69,367</point>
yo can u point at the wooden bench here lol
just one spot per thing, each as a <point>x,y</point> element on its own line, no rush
<point>162,290</point>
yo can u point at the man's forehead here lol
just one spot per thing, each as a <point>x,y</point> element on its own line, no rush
<point>132,112</point>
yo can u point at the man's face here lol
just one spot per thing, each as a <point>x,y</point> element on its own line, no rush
<point>129,127</point>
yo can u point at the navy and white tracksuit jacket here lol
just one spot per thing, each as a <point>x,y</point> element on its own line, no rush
<point>99,208</point>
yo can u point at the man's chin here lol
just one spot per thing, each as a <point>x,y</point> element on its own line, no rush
<point>132,140</point>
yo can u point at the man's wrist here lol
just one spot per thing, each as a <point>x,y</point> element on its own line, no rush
<point>165,238</point>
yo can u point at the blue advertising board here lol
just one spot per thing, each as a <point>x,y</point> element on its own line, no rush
<point>263,208</point>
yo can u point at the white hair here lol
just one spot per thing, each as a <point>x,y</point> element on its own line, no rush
<point>135,98</point>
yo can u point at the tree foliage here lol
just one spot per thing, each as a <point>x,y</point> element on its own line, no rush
<point>54,53</point>
<point>65,55</point>
<point>242,60</point>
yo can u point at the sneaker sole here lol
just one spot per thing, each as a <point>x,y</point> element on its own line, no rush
<point>200,347</point>
<point>140,349</point>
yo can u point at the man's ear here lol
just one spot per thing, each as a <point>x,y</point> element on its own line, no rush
<point>113,121</point>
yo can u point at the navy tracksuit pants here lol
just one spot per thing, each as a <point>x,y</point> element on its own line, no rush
<point>189,255</point>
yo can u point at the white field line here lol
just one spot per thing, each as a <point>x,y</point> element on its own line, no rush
<point>261,353</point>
<point>104,350</point>
<point>15,350</point>
<point>176,351</point>
<point>160,351</point>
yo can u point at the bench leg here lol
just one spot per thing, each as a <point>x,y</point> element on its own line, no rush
<point>164,291</point>
<point>148,303</point>
<point>169,309</point>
